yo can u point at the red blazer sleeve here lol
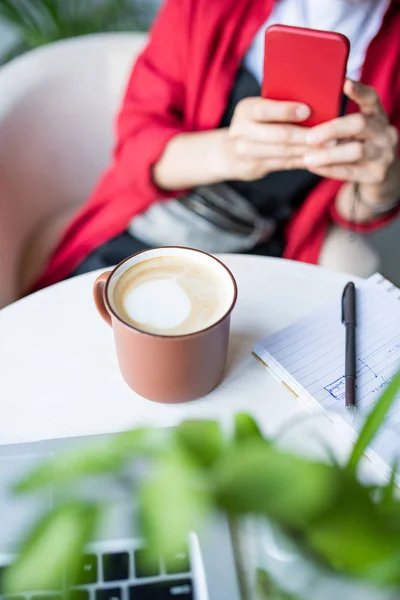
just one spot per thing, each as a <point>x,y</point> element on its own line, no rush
<point>153,107</point>
<point>380,221</point>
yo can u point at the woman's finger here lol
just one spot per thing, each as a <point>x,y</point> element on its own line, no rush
<point>340,172</point>
<point>262,110</point>
<point>351,126</point>
<point>352,152</point>
<point>270,134</point>
<point>284,164</point>
<point>248,149</point>
<point>365,96</point>
<point>367,172</point>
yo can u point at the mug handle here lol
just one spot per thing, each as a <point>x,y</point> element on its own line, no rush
<point>98,296</point>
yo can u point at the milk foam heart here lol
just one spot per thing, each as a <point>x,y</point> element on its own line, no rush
<point>162,304</point>
<point>173,295</point>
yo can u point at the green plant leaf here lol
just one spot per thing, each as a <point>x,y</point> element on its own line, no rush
<point>388,492</point>
<point>268,590</point>
<point>53,548</point>
<point>173,501</point>
<point>202,440</point>
<point>142,441</point>
<point>12,52</point>
<point>18,14</point>
<point>44,21</point>
<point>110,11</point>
<point>14,14</point>
<point>358,535</point>
<point>255,477</point>
<point>97,459</point>
<point>246,427</point>
<point>355,539</point>
<point>374,421</point>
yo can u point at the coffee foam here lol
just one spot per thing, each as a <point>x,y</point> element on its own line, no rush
<point>172,295</point>
<point>160,304</point>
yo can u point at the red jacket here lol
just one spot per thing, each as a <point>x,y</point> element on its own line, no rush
<point>181,83</point>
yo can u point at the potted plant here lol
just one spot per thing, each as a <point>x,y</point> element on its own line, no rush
<point>319,532</point>
<point>44,21</point>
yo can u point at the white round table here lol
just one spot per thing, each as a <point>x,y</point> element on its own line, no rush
<point>59,375</point>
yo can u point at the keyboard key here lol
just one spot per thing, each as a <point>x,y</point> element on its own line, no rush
<point>179,563</point>
<point>116,566</point>
<point>146,564</point>
<point>110,594</point>
<point>165,590</point>
<point>88,570</point>
<point>78,595</point>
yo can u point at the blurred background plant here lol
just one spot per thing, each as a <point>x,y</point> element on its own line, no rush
<point>27,24</point>
<point>349,527</point>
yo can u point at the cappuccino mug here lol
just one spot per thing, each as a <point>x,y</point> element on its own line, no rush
<point>170,311</point>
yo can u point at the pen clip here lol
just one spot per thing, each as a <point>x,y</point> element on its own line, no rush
<point>343,298</point>
<point>345,307</point>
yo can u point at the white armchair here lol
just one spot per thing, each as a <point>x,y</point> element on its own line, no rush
<point>57,107</point>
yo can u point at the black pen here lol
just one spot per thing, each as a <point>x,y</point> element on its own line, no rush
<point>349,320</point>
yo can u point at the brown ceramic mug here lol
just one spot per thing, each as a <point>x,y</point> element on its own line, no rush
<point>166,367</point>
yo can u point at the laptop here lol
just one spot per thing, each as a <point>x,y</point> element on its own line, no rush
<point>113,567</point>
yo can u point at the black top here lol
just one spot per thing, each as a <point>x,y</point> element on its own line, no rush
<point>278,194</point>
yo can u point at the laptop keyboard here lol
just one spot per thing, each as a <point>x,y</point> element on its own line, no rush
<point>123,572</point>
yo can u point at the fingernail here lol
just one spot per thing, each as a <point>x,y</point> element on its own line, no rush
<point>302,112</point>
<point>310,159</point>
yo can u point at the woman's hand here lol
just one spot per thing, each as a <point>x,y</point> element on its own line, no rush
<point>363,148</point>
<point>262,138</point>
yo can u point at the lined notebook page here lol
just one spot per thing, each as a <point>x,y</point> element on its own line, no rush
<point>309,357</point>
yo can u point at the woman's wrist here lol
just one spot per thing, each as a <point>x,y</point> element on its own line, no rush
<point>222,157</point>
<point>384,196</point>
<point>350,208</point>
<point>193,159</point>
<point>378,206</point>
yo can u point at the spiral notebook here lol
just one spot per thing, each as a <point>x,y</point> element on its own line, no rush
<point>308,357</point>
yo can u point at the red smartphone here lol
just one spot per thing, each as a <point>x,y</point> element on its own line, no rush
<point>306,65</point>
